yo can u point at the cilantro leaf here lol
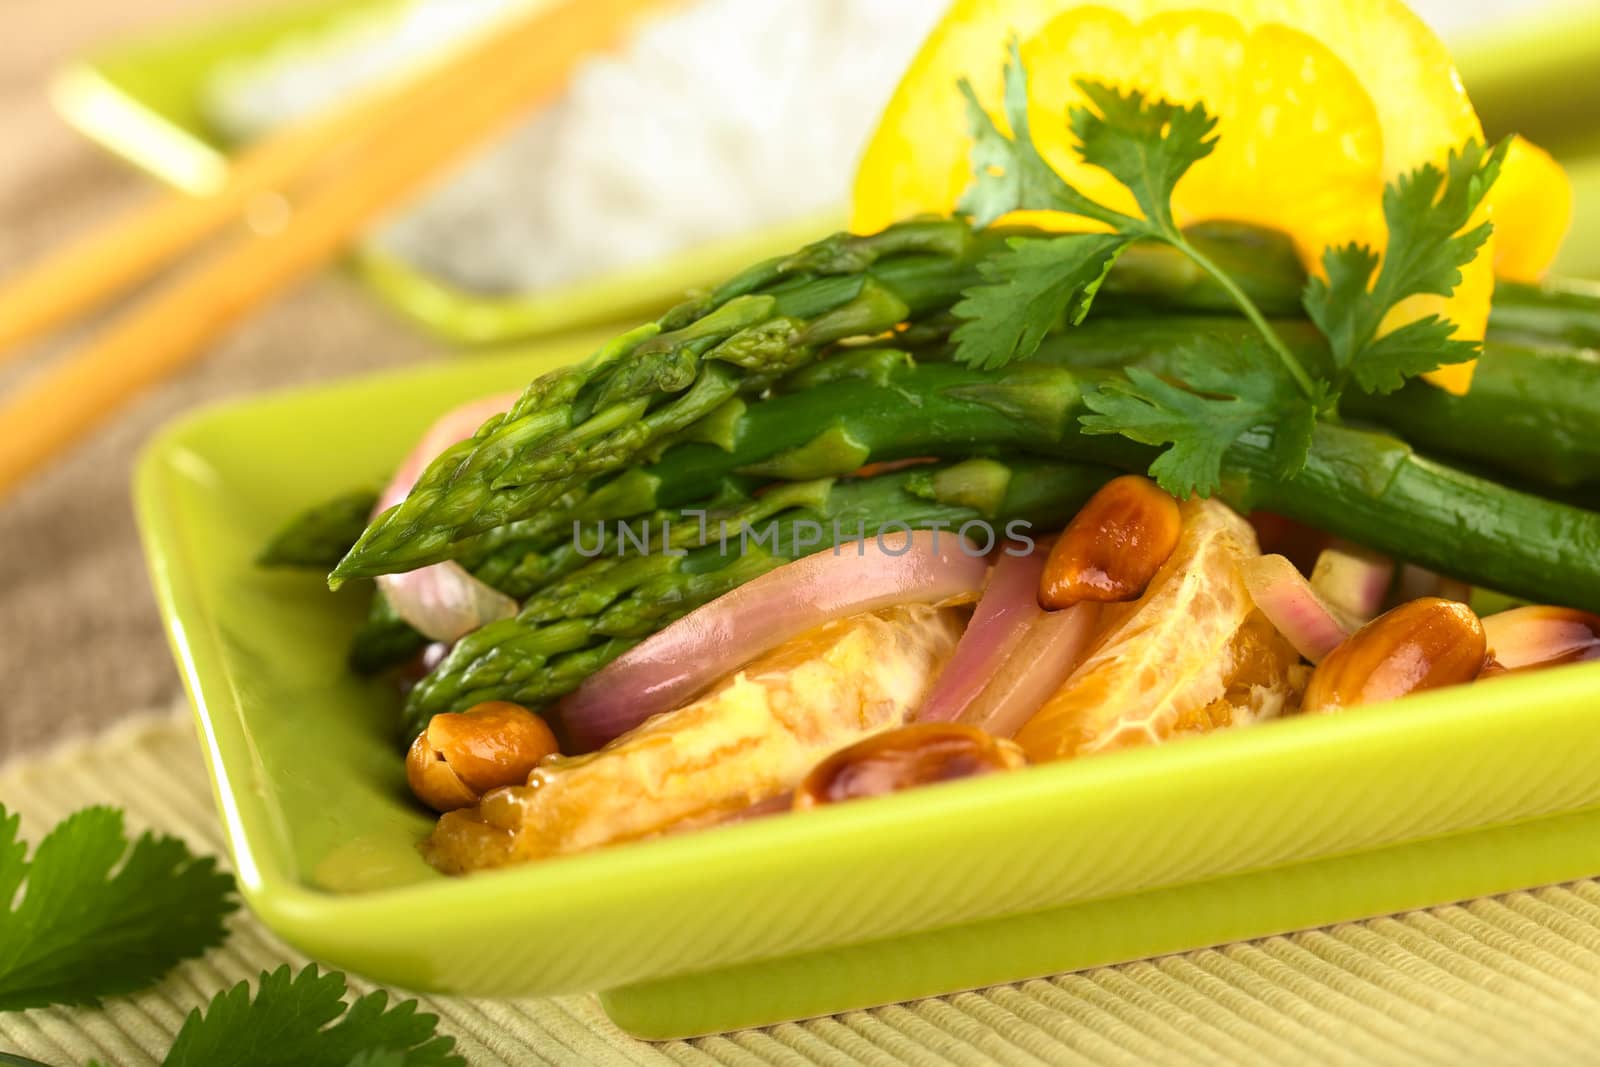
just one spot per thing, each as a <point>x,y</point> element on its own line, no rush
<point>303,1021</point>
<point>1427,211</point>
<point>1032,287</point>
<point>97,918</point>
<point>1146,145</point>
<point>1008,173</point>
<point>1222,391</point>
<point>1416,348</point>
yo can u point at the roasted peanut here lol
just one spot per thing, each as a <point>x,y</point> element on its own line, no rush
<point>1541,636</point>
<point>914,755</point>
<point>1422,644</point>
<point>463,755</point>
<point>1113,546</point>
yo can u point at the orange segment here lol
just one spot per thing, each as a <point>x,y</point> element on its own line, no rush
<point>917,158</point>
<point>1531,206</point>
<point>1319,104</point>
<point>1277,95</point>
<point>1191,655</point>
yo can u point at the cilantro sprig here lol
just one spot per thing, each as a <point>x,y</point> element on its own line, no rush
<point>97,917</point>
<point>1222,391</point>
<point>1217,393</point>
<point>1426,211</point>
<point>92,915</point>
<point>302,1020</point>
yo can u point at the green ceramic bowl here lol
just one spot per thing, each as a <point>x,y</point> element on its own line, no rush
<point>142,100</point>
<point>1058,867</point>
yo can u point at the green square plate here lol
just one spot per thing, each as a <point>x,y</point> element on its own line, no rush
<point>142,100</point>
<point>1233,835</point>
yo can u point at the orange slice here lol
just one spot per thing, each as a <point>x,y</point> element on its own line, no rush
<point>1278,96</point>
<point>1191,655</point>
<point>1318,105</point>
<point>1531,206</point>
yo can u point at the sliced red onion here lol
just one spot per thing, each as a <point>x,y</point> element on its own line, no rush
<point>1352,581</point>
<point>442,601</point>
<point>1417,582</point>
<point>1040,663</point>
<point>1540,636</point>
<point>1290,604</point>
<point>713,641</point>
<point>445,603</point>
<point>1008,607</point>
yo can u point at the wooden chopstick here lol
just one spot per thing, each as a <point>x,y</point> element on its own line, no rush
<point>389,152</point>
<point>108,261</point>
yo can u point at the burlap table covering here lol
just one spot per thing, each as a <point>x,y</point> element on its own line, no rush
<point>80,643</point>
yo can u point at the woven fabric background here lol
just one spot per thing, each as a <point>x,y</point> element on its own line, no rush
<point>1511,980</point>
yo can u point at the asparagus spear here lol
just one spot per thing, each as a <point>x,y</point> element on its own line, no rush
<point>1528,415</point>
<point>653,382</point>
<point>318,537</point>
<point>876,409</point>
<point>573,627</point>
<point>1365,486</point>
<point>384,639</point>
<point>876,404</point>
<point>599,415</point>
<point>1531,413</point>
<point>800,434</point>
<point>1556,312</point>
<point>1155,276</point>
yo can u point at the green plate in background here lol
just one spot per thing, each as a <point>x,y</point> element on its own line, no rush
<point>142,100</point>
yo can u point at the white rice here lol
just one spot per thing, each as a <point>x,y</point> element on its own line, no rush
<point>716,120</point>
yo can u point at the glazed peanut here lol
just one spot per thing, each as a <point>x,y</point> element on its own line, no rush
<point>1113,546</point>
<point>1541,636</point>
<point>914,755</point>
<point>1422,644</point>
<point>463,755</point>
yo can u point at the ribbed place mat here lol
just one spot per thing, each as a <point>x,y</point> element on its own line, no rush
<point>1505,980</point>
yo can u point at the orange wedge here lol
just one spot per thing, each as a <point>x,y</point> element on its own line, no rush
<point>1193,654</point>
<point>1318,105</point>
<point>1531,206</point>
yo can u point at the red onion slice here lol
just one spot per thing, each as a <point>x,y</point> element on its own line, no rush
<point>1352,581</point>
<point>1013,655</point>
<point>1541,636</point>
<point>1290,604</point>
<point>1040,663</point>
<point>1008,607</point>
<point>442,601</point>
<point>715,640</point>
<point>1418,582</point>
